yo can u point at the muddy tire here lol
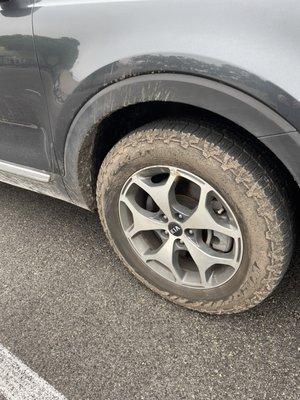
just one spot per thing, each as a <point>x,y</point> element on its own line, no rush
<point>246,187</point>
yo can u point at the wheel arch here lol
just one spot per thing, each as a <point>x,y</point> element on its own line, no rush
<point>209,95</point>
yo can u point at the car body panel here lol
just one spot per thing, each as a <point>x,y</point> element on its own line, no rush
<point>231,41</point>
<point>286,147</point>
<point>24,123</point>
<point>84,47</point>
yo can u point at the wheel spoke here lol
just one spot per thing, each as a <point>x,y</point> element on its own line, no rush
<point>165,255</point>
<point>204,258</point>
<point>159,192</point>
<point>203,219</point>
<point>143,220</point>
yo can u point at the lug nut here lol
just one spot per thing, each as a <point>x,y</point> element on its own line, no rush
<point>165,217</point>
<point>180,216</point>
<point>190,232</point>
<point>181,241</point>
<point>166,233</point>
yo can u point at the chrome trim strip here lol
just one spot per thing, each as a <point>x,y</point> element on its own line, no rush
<point>30,126</point>
<point>26,172</point>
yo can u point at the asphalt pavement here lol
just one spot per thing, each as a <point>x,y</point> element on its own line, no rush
<point>76,317</point>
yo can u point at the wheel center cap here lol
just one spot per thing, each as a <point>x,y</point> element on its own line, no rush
<point>175,229</point>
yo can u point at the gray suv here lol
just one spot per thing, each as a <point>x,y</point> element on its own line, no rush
<point>177,120</point>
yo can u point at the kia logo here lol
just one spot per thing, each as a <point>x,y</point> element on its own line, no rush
<point>175,229</point>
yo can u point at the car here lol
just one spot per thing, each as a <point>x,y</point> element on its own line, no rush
<point>177,121</point>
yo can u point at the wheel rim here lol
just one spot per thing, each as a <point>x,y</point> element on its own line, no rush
<point>180,227</point>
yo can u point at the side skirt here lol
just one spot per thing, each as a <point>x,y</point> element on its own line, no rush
<point>34,180</point>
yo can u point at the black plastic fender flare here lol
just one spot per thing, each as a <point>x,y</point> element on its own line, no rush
<point>233,104</point>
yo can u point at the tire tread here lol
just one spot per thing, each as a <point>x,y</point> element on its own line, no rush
<point>262,182</point>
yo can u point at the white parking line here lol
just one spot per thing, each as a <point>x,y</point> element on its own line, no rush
<point>18,382</point>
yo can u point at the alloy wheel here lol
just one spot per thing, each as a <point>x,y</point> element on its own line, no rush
<point>181,227</point>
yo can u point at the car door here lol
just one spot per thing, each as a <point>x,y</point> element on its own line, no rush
<point>25,137</point>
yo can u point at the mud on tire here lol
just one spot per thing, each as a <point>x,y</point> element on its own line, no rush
<point>243,177</point>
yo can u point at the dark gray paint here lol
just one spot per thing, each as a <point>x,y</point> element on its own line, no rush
<point>191,37</point>
<point>84,46</point>
<point>24,127</point>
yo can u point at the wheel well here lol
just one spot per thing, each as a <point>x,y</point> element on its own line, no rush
<point>121,122</point>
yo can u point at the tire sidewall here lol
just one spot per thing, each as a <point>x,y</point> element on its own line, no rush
<point>191,159</point>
